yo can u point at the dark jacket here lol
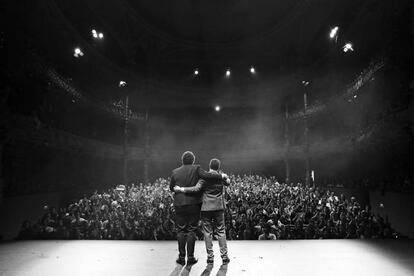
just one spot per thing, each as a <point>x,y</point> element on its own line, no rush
<point>213,193</point>
<point>188,176</point>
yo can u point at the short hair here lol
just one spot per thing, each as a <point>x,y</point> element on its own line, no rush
<point>214,164</point>
<point>188,158</point>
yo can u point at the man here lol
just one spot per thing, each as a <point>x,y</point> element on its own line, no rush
<point>267,235</point>
<point>212,211</point>
<point>187,206</point>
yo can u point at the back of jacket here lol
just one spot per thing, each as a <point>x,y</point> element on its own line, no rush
<point>186,176</point>
<point>213,195</point>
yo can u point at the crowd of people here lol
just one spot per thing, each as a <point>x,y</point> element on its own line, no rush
<point>257,208</point>
<point>399,184</point>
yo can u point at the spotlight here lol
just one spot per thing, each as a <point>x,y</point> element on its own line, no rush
<point>196,72</point>
<point>122,83</point>
<point>348,47</point>
<point>217,108</point>
<point>252,70</point>
<point>95,34</point>
<point>334,32</point>
<point>77,52</point>
<point>228,73</point>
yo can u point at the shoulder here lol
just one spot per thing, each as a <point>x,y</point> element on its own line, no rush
<point>177,169</point>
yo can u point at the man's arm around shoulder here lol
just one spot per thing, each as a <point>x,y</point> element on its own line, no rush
<point>194,189</point>
<point>210,175</point>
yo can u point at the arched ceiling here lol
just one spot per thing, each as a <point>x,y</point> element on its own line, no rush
<point>220,22</point>
<point>156,45</point>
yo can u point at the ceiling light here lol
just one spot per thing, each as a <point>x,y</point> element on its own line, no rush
<point>348,47</point>
<point>77,52</point>
<point>334,32</point>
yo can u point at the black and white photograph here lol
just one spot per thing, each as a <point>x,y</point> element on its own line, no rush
<point>207,137</point>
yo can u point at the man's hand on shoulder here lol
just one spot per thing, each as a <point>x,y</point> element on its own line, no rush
<point>224,176</point>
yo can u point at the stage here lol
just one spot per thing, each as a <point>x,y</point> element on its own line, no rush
<point>296,257</point>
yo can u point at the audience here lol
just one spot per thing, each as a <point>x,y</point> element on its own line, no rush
<point>257,208</point>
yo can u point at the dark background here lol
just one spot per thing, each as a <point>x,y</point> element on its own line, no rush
<point>57,136</point>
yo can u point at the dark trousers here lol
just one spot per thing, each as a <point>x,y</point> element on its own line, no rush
<point>213,222</point>
<point>186,220</point>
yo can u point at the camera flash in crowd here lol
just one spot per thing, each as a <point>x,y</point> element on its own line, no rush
<point>196,72</point>
<point>217,108</point>
<point>252,70</point>
<point>228,73</point>
<point>122,83</point>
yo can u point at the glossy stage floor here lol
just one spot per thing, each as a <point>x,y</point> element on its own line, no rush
<point>299,257</point>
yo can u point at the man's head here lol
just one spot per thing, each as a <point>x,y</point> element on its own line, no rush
<point>188,158</point>
<point>214,164</point>
<point>266,229</point>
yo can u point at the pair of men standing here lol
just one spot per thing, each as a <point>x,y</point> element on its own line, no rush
<point>196,190</point>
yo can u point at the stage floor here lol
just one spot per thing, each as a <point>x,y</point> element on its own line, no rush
<point>304,257</point>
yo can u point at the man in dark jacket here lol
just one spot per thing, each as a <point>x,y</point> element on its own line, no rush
<point>212,210</point>
<point>187,206</point>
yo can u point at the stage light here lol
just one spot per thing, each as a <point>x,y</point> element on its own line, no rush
<point>252,70</point>
<point>348,47</point>
<point>228,73</point>
<point>77,52</point>
<point>94,33</point>
<point>334,32</point>
<point>196,72</point>
<point>122,83</point>
<point>217,108</point>
<point>305,83</point>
